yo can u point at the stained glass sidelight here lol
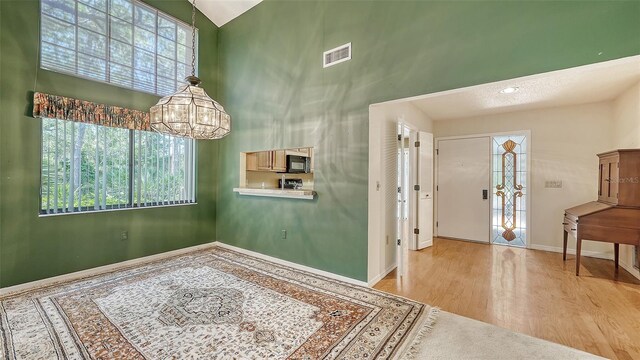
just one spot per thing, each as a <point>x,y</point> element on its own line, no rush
<point>509,221</point>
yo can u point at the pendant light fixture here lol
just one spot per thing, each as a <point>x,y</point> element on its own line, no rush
<point>190,112</point>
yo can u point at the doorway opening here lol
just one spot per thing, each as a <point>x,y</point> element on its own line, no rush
<point>563,174</point>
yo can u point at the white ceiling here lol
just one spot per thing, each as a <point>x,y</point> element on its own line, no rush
<point>574,86</point>
<point>223,11</point>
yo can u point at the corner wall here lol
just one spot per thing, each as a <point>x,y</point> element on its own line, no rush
<point>383,181</point>
<point>279,96</point>
<point>564,144</point>
<point>33,247</point>
<point>626,135</point>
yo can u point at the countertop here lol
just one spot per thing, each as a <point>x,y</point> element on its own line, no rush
<point>274,192</point>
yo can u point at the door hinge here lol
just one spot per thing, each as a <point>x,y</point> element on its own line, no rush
<point>437,151</point>
<point>417,144</point>
<point>398,242</point>
<point>416,231</point>
<point>436,224</point>
<point>437,188</point>
<point>399,137</point>
<point>416,187</point>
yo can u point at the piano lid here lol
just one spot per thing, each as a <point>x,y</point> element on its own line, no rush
<point>588,208</point>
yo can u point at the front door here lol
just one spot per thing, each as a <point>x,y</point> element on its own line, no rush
<point>463,188</point>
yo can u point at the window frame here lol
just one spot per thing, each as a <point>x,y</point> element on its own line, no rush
<point>109,39</point>
<point>131,203</point>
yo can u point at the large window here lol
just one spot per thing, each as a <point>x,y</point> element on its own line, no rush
<point>122,42</point>
<point>87,167</point>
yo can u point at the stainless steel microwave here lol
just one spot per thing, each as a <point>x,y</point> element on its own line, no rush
<point>298,164</point>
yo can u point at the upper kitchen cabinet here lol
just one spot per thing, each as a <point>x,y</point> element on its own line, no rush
<point>279,162</point>
<point>284,173</point>
<point>296,160</point>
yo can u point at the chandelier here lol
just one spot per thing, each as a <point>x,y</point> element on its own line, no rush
<point>190,112</point>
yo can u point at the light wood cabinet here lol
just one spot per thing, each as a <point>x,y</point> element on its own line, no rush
<point>279,160</point>
<point>252,161</point>
<point>265,161</point>
<point>275,160</point>
<point>298,151</point>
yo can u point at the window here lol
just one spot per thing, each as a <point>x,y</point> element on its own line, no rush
<point>87,167</point>
<point>122,42</point>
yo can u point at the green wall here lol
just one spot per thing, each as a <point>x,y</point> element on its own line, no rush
<point>273,84</point>
<point>33,248</point>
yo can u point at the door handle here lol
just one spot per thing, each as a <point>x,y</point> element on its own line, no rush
<point>485,194</point>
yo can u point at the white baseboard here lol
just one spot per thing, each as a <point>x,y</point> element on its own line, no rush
<point>425,244</point>
<point>382,275</point>
<point>558,249</point>
<point>292,264</point>
<point>630,268</point>
<point>99,270</point>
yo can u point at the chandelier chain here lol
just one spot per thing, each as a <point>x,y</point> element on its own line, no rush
<point>190,112</point>
<point>193,38</point>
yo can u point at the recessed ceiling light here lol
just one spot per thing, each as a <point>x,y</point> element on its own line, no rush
<point>509,90</point>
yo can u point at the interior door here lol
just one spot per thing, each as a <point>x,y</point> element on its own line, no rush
<point>424,214</point>
<point>464,183</point>
<point>404,202</point>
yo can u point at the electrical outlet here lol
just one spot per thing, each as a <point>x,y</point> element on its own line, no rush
<point>124,235</point>
<point>284,234</point>
<point>553,184</point>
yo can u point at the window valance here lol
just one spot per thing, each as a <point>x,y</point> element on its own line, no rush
<point>65,108</point>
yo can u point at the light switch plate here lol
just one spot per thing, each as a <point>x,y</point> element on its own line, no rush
<point>553,184</point>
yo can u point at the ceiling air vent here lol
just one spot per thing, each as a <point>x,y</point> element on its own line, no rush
<point>337,55</point>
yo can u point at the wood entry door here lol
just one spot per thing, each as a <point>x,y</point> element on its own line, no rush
<point>464,188</point>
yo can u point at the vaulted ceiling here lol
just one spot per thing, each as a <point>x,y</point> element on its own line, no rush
<point>223,11</point>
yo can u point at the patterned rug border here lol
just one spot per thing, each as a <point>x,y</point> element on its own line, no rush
<point>124,267</point>
<point>419,322</point>
<point>143,263</point>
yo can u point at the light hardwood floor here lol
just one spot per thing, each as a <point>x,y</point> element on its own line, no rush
<point>529,291</point>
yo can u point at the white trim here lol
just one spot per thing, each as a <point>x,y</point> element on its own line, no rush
<point>425,244</point>
<point>578,70</point>
<point>630,268</point>
<point>286,193</point>
<point>382,275</point>
<point>100,269</point>
<point>86,212</point>
<point>558,249</point>
<point>292,264</point>
<point>324,55</point>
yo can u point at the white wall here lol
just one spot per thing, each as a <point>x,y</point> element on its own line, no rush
<point>383,120</point>
<point>564,144</point>
<point>626,135</point>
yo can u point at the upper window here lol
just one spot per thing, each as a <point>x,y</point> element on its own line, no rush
<point>122,42</point>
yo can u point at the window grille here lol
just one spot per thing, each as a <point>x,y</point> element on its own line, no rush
<point>121,42</point>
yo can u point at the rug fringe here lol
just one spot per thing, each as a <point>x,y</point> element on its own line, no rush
<point>426,328</point>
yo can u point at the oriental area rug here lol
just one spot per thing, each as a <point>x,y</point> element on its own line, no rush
<point>210,304</point>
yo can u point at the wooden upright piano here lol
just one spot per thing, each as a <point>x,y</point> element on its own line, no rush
<point>615,217</point>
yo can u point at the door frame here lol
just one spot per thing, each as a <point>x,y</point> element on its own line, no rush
<point>412,195</point>
<point>436,175</point>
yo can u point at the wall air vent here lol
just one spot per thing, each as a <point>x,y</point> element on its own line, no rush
<point>337,55</point>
